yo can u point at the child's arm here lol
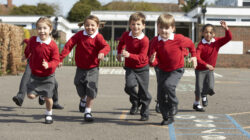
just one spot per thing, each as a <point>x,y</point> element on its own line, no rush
<point>153,52</point>
<point>121,46</point>
<point>228,35</point>
<point>105,47</point>
<point>54,60</point>
<point>187,43</point>
<point>198,55</point>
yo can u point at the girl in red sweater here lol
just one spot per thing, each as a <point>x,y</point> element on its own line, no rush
<point>207,52</point>
<point>43,56</point>
<point>90,49</point>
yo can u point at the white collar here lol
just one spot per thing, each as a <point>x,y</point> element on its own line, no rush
<point>140,37</point>
<point>204,41</point>
<point>46,41</point>
<point>92,36</point>
<point>171,37</point>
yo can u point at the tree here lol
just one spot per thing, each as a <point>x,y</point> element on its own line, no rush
<point>82,9</point>
<point>40,9</point>
<point>190,4</point>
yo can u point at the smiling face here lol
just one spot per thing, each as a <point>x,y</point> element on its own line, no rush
<point>165,32</point>
<point>43,30</point>
<point>208,33</point>
<point>90,26</point>
<point>136,27</point>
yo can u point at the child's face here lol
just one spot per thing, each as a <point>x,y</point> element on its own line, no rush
<point>208,33</point>
<point>136,27</point>
<point>90,26</point>
<point>43,30</point>
<point>165,32</point>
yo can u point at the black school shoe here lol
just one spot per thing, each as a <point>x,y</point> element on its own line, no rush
<point>144,118</point>
<point>82,108</point>
<point>57,106</point>
<point>47,121</point>
<point>88,117</point>
<point>40,101</point>
<point>167,121</point>
<point>133,109</point>
<point>173,111</point>
<point>198,108</point>
<point>204,101</point>
<point>17,100</point>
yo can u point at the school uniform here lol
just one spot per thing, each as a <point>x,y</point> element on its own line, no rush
<point>86,57</point>
<point>137,69</point>
<point>170,61</point>
<point>207,53</point>
<point>42,81</point>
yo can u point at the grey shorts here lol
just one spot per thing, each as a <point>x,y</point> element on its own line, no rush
<point>204,82</point>
<point>42,86</point>
<point>86,82</point>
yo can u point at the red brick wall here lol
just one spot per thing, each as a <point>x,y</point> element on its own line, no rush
<point>240,33</point>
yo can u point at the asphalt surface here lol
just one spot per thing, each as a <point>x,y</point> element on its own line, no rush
<point>226,117</point>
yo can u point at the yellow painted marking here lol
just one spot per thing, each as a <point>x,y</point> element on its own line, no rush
<point>124,115</point>
<point>241,113</point>
<point>227,82</point>
<point>247,127</point>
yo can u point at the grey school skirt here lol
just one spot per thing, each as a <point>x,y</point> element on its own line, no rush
<point>42,86</point>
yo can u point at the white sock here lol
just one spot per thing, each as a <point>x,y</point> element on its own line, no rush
<point>87,110</point>
<point>41,97</point>
<point>48,113</point>
<point>83,104</point>
<point>196,102</point>
<point>204,98</point>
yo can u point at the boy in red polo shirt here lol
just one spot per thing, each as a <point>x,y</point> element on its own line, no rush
<point>90,49</point>
<point>207,52</point>
<point>167,53</point>
<point>134,46</point>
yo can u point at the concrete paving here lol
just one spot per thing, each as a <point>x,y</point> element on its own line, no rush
<point>226,117</point>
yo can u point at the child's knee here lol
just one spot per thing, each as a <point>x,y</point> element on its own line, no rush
<point>31,96</point>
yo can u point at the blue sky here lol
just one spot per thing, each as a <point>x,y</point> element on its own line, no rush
<point>66,5</point>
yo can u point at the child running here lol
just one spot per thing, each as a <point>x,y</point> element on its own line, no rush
<point>90,49</point>
<point>134,47</point>
<point>167,53</point>
<point>207,52</point>
<point>43,57</point>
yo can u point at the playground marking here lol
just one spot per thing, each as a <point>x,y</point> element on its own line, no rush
<point>241,113</point>
<point>124,115</point>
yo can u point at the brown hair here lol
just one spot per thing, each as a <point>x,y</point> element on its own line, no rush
<point>91,17</point>
<point>46,20</point>
<point>137,16</point>
<point>166,20</point>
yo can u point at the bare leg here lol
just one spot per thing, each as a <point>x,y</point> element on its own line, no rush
<point>49,103</point>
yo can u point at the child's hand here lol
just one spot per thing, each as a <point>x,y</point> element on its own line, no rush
<point>125,53</point>
<point>119,57</point>
<point>224,24</point>
<point>194,60</point>
<point>210,67</point>
<point>152,58</point>
<point>45,64</point>
<point>60,64</point>
<point>101,56</point>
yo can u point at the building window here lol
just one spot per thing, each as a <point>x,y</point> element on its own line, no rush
<point>118,32</point>
<point>106,32</point>
<point>120,23</point>
<point>219,19</point>
<point>150,33</point>
<point>33,25</point>
<point>245,20</point>
<point>246,4</point>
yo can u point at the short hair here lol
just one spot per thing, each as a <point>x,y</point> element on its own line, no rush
<point>91,17</point>
<point>137,16</point>
<point>208,25</point>
<point>166,20</point>
<point>45,20</point>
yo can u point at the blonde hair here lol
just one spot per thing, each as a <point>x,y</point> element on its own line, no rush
<point>137,16</point>
<point>91,17</point>
<point>45,20</point>
<point>166,20</point>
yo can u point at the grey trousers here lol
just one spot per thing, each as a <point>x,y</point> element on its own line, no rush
<point>138,77</point>
<point>167,84</point>
<point>204,82</point>
<point>23,86</point>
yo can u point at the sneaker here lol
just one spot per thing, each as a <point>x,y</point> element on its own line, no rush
<point>198,107</point>
<point>211,92</point>
<point>41,100</point>
<point>88,117</point>
<point>17,100</point>
<point>144,118</point>
<point>167,121</point>
<point>57,106</point>
<point>204,101</point>
<point>82,106</point>
<point>157,107</point>
<point>173,111</point>
<point>48,119</point>
<point>133,109</point>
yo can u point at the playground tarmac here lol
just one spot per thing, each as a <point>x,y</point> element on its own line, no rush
<point>226,117</point>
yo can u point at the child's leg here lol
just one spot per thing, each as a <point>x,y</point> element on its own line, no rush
<point>49,103</point>
<point>32,96</point>
<point>48,113</point>
<point>199,84</point>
